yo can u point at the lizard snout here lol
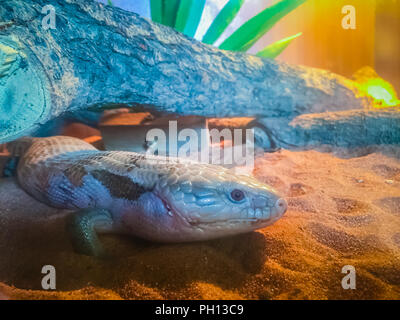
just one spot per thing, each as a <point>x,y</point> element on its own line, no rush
<point>280,207</point>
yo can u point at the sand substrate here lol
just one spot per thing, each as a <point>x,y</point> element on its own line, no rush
<point>341,212</point>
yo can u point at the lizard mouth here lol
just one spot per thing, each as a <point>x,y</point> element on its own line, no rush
<point>233,222</point>
<point>227,221</point>
<point>167,207</point>
<point>269,216</point>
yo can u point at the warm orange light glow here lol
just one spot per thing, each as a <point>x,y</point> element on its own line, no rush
<point>382,92</point>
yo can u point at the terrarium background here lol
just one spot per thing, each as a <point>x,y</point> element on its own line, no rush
<point>324,43</point>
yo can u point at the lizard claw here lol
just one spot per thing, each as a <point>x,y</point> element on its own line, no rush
<point>81,226</point>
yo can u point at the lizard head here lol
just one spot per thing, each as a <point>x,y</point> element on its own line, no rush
<point>201,201</point>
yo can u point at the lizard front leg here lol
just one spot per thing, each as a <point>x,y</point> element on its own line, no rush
<point>83,227</point>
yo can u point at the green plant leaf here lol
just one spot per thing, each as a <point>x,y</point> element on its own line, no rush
<point>170,9</point>
<point>245,36</point>
<point>156,8</point>
<point>109,3</point>
<point>275,49</point>
<point>183,15</point>
<point>195,8</point>
<point>222,21</point>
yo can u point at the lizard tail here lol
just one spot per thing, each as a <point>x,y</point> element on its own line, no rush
<point>18,147</point>
<point>15,150</point>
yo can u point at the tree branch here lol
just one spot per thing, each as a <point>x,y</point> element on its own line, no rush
<point>341,129</point>
<point>100,56</point>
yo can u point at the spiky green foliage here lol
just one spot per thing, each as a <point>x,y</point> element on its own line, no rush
<point>245,36</point>
<point>183,15</point>
<point>169,11</point>
<point>193,19</point>
<point>222,21</point>
<point>275,49</point>
<point>156,8</point>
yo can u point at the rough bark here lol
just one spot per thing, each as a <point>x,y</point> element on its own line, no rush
<point>341,129</point>
<point>99,56</point>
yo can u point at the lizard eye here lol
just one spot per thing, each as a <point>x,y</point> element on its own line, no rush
<point>237,195</point>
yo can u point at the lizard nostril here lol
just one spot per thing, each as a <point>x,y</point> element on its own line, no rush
<point>281,205</point>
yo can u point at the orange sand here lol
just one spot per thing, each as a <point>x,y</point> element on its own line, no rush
<point>340,212</point>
